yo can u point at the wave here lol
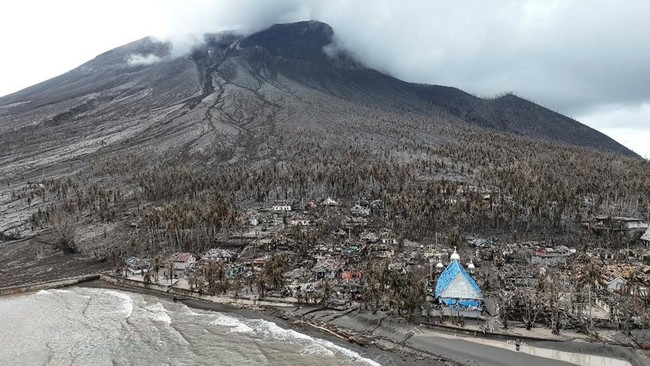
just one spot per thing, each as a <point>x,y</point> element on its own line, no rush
<point>158,313</point>
<point>175,325</point>
<point>313,346</point>
<point>316,349</point>
<point>127,301</point>
<point>238,326</point>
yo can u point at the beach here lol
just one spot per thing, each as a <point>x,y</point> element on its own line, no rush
<point>402,343</point>
<point>388,339</point>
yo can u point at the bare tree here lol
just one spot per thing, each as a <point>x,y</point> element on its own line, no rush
<point>63,229</point>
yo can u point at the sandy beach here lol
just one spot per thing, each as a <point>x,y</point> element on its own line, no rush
<point>394,342</point>
<point>276,315</point>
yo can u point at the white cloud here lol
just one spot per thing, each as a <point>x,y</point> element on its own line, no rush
<point>632,138</point>
<point>136,60</point>
<point>627,124</point>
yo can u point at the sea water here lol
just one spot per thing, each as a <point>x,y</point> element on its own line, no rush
<point>91,326</point>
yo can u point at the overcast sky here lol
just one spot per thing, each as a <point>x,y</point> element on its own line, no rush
<point>588,59</point>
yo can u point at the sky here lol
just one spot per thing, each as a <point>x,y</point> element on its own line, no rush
<point>587,59</point>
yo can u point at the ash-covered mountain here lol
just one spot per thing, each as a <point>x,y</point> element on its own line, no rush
<point>244,95</point>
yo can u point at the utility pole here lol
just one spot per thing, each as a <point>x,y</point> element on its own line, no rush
<point>591,320</point>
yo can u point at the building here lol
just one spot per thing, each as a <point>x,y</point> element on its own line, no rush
<point>550,256</point>
<point>645,238</point>
<point>300,222</point>
<point>360,210</point>
<point>618,223</point>
<point>137,266</point>
<point>281,208</point>
<point>217,254</point>
<point>181,261</point>
<point>326,268</point>
<point>616,284</point>
<point>457,289</point>
<point>329,202</point>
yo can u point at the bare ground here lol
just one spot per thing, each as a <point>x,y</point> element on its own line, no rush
<point>29,261</point>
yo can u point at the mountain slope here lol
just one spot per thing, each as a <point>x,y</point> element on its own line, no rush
<point>246,100</point>
<point>136,153</point>
<point>220,90</point>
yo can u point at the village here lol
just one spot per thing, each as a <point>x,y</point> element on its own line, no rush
<point>358,262</point>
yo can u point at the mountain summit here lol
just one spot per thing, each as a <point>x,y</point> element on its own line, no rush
<point>246,97</point>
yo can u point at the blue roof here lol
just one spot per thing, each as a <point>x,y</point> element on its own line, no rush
<point>453,270</point>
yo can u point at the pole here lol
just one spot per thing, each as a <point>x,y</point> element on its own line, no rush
<point>591,320</point>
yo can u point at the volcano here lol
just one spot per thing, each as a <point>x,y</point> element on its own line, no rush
<point>246,100</point>
<point>243,94</point>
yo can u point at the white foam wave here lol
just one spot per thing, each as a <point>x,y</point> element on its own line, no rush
<point>158,313</point>
<point>276,332</point>
<point>242,328</point>
<point>127,301</point>
<point>348,352</point>
<point>44,292</point>
<point>313,345</point>
<point>238,326</point>
<point>188,311</point>
<point>316,349</point>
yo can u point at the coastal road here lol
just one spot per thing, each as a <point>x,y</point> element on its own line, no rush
<point>475,354</point>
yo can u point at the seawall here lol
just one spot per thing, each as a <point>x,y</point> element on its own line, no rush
<point>32,287</point>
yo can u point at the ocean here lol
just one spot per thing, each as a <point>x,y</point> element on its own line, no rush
<point>94,326</point>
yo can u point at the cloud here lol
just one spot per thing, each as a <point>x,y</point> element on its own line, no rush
<point>583,58</point>
<point>627,124</point>
<point>137,59</point>
<point>183,23</point>
<point>610,116</point>
<point>567,55</point>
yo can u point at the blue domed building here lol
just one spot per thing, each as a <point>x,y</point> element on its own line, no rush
<point>457,289</point>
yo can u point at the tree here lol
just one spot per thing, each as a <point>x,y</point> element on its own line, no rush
<point>64,229</point>
<point>412,294</point>
<point>532,305</point>
<point>325,288</point>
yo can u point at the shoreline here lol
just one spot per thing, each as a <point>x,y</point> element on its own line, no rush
<point>272,314</point>
<point>391,342</point>
<point>396,339</point>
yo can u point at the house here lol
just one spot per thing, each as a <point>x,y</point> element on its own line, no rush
<point>616,284</point>
<point>618,223</point>
<point>261,261</point>
<point>326,268</point>
<point>217,254</point>
<point>351,222</point>
<point>456,289</point>
<point>481,243</point>
<point>329,202</point>
<point>645,238</point>
<point>300,222</point>
<point>360,210</point>
<point>632,223</point>
<point>350,275</point>
<point>550,256</point>
<point>388,238</point>
<point>137,266</point>
<point>181,261</point>
<point>281,208</point>
<point>369,237</point>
